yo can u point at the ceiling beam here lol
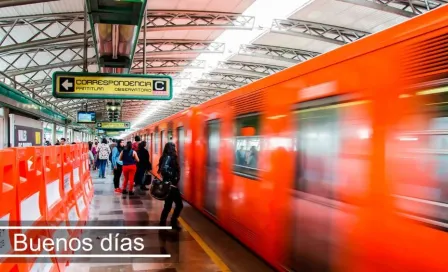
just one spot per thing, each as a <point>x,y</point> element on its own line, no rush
<point>39,43</point>
<point>162,47</point>
<point>49,66</point>
<point>48,47</point>
<point>405,8</point>
<point>161,20</point>
<point>205,88</point>
<point>237,78</point>
<point>276,53</point>
<point>317,31</point>
<point>11,3</point>
<point>225,85</point>
<point>253,69</point>
<point>42,83</point>
<point>167,64</point>
<point>231,84</point>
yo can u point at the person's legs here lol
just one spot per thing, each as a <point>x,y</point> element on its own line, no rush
<point>132,170</point>
<point>117,175</point>
<point>166,209</point>
<point>103,168</point>
<point>139,179</point>
<point>99,169</point>
<point>177,198</point>
<point>126,178</point>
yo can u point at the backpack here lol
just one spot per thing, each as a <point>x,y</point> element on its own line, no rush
<point>167,170</point>
<point>103,152</point>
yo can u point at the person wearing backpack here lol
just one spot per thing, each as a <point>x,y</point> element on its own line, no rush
<point>103,156</point>
<point>112,145</point>
<point>130,159</point>
<point>170,170</point>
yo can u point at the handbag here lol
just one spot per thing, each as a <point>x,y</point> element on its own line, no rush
<point>160,189</point>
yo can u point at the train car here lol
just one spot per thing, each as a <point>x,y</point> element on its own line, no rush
<point>178,129</point>
<point>337,163</point>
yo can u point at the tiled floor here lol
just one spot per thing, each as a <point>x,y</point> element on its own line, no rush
<point>111,209</point>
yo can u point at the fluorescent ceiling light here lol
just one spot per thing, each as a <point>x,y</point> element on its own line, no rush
<point>264,11</point>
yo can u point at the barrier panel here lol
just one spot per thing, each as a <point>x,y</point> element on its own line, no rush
<point>86,178</point>
<point>42,187</point>
<point>56,209</point>
<point>8,208</point>
<point>78,183</point>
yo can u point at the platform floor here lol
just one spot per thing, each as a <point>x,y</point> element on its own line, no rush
<point>200,246</point>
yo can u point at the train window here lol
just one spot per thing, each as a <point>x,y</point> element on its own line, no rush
<point>332,143</point>
<point>247,145</point>
<point>156,143</point>
<point>420,143</point>
<point>181,154</point>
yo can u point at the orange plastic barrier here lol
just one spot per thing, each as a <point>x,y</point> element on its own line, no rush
<point>8,209</point>
<point>42,187</point>
<point>86,178</point>
<point>54,187</point>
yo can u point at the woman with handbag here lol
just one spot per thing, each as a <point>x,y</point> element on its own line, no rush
<point>130,159</point>
<point>170,170</point>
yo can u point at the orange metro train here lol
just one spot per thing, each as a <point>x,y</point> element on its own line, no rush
<point>334,164</point>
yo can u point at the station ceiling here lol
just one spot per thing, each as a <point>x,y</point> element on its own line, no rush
<point>210,47</point>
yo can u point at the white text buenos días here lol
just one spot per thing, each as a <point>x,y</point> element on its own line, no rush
<point>110,243</point>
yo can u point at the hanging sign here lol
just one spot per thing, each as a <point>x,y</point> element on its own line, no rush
<point>112,86</point>
<point>113,125</point>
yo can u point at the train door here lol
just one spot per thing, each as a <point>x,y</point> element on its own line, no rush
<point>332,139</point>
<point>212,167</point>
<point>181,154</point>
<point>151,149</point>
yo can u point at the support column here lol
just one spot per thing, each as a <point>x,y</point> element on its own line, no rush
<point>144,40</point>
<point>53,133</point>
<point>85,67</point>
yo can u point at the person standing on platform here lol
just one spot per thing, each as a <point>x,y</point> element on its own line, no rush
<point>117,164</point>
<point>91,156</point>
<point>130,159</point>
<point>136,143</point>
<point>135,148</point>
<point>112,145</point>
<point>62,141</point>
<point>103,156</point>
<point>170,170</point>
<point>143,166</point>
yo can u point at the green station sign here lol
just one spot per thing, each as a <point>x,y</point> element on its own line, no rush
<point>113,125</point>
<point>112,133</point>
<point>112,86</point>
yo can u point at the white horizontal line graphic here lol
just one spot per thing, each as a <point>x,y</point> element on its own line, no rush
<point>86,228</point>
<point>85,256</point>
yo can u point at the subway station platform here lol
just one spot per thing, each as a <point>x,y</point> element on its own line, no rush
<point>200,246</point>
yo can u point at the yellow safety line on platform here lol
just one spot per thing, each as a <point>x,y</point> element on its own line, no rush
<point>215,258</point>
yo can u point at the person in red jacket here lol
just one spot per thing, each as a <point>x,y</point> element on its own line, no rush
<point>135,148</point>
<point>136,143</point>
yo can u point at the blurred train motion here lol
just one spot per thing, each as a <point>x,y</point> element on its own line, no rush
<point>339,163</point>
